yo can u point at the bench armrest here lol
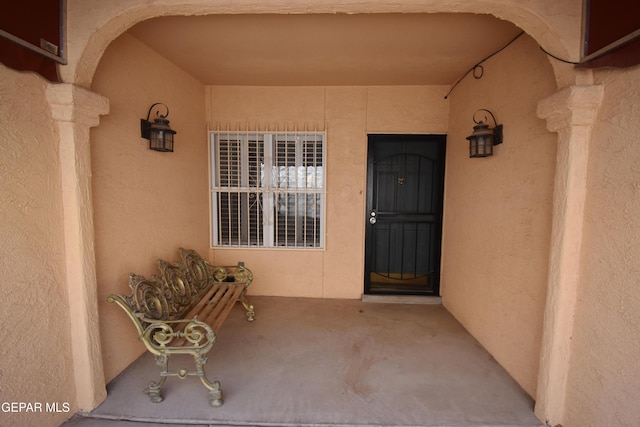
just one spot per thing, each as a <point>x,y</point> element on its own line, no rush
<point>183,336</point>
<point>231,273</point>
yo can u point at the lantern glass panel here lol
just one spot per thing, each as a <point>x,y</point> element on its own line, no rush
<point>161,140</point>
<point>481,141</point>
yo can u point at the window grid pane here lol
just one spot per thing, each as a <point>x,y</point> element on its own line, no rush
<point>255,160</point>
<point>229,163</point>
<point>296,188</point>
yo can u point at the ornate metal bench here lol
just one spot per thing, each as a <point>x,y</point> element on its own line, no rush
<point>180,311</point>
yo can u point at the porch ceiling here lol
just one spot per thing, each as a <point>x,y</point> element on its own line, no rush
<point>326,49</point>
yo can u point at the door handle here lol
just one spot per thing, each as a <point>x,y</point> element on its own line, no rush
<point>373,220</point>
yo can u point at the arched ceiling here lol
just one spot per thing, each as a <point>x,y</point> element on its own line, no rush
<point>326,49</point>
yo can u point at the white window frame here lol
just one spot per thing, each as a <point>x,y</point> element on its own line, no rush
<point>287,188</point>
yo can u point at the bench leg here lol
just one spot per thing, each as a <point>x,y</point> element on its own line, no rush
<point>154,392</point>
<point>154,389</point>
<point>214,387</point>
<point>215,392</point>
<point>250,313</point>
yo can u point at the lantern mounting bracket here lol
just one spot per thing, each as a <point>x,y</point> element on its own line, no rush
<point>145,125</point>
<point>484,138</point>
<point>497,129</point>
<point>159,133</point>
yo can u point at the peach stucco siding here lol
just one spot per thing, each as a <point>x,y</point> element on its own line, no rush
<point>147,204</point>
<point>347,114</point>
<point>497,222</point>
<point>34,309</point>
<point>604,375</point>
<point>567,329</point>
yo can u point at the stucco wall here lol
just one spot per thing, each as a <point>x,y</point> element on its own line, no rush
<point>35,357</point>
<point>603,382</point>
<point>498,211</point>
<point>348,114</point>
<point>146,203</point>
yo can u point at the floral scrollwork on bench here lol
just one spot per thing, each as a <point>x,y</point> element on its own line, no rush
<point>180,310</point>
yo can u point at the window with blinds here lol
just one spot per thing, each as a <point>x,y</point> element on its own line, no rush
<point>267,189</point>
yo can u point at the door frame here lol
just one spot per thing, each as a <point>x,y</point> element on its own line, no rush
<point>439,139</point>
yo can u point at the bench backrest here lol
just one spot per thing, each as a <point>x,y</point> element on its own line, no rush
<point>172,294</point>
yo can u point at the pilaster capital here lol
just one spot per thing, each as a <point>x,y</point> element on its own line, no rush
<point>71,103</point>
<point>571,106</point>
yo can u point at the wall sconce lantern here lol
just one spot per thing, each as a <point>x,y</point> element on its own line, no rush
<point>159,134</point>
<point>483,138</point>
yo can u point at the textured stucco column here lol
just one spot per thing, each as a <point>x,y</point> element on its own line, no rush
<point>571,113</point>
<point>75,110</point>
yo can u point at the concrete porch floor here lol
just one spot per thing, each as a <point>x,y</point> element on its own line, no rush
<point>317,362</point>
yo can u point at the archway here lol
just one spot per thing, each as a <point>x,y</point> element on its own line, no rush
<point>85,55</point>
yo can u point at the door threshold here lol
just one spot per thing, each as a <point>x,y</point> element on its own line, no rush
<point>402,299</point>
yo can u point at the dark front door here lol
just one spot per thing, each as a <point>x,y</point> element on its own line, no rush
<point>405,184</point>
